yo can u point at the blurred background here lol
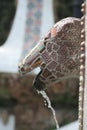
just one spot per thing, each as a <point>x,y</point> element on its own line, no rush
<point>21,108</point>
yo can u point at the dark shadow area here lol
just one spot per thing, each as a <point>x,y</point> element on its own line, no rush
<point>7,12</point>
<point>67,8</point>
<point>8,102</point>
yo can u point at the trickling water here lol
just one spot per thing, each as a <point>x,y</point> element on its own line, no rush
<point>44,95</point>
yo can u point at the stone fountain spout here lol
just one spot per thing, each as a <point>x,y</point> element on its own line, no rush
<point>57,54</point>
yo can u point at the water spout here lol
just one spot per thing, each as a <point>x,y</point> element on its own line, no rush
<point>57,54</point>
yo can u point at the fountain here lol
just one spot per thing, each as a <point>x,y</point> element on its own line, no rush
<point>57,55</point>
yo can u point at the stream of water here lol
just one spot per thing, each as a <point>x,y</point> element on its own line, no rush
<point>44,95</point>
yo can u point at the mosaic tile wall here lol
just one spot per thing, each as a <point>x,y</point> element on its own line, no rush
<point>33,24</point>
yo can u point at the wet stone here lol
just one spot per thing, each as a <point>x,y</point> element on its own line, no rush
<point>71,50</point>
<point>64,69</point>
<point>49,47</point>
<point>55,47</point>
<point>60,34</point>
<point>52,77</point>
<point>52,65</point>
<point>46,73</point>
<point>63,50</point>
<point>71,65</point>
<point>62,59</point>
<point>53,72</point>
<point>58,68</point>
<point>43,65</point>
<point>58,74</point>
<point>45,56</point>
<point>54,55</point>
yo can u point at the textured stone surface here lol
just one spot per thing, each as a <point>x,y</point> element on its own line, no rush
<point>63,62</point>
